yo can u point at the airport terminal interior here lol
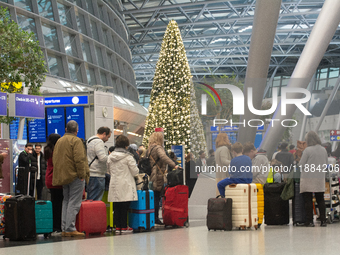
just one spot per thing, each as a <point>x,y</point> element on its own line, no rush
<point>188,69</point>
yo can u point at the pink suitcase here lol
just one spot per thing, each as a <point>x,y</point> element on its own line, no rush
<point>91,217</point>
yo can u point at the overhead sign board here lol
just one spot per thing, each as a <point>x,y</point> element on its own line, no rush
<point>73,100</point>
<point>230,128</point>
<point>3,104</point>
<point>28,106</point>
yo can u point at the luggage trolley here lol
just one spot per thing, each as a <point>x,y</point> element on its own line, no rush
<point>332,197</point>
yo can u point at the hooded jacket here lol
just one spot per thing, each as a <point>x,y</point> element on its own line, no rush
<point>123,168</point>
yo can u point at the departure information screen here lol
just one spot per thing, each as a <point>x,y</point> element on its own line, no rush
<point>55,120</point>
<point>77,114</point>
<point>37,131</point>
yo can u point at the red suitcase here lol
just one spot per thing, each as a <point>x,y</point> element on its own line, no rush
<point>91,217</point>
<point>175,206</point>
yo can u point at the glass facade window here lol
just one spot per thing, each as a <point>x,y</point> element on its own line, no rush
<point>81,23</point>
<point>50,36</point>
<point>103,78</point>
<point>91,78</point>
<point>70,44</point>
<point>27,24</point>
<point>24,4</point>
<point>99,56</point>
<point>65,15</point>
<point>106,39</point>
<point>55,65</point>
<point>89,6</point>
<point>323,73</point>
<point>75,72</point>
<point>109,60</point>
<point>85,46</point>
<point>333,72</point>
<point>94,30</point>
<point>45,9</point>
<point>101,12</point>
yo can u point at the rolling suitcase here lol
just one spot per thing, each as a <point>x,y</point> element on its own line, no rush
<point>109,211</point>
<point>175,206</point>
<point>91,217</point>
<point>244,212</point>
<point>20,215</point>
<point>3,198</point>
<point>260,202</point>
<point>276,210</point>
<point>43,217</point>
<point>219,214</point>
<point>299,215</point>
<point>142,212</point>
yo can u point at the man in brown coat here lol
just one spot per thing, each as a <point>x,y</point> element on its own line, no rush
<point>70,169</point>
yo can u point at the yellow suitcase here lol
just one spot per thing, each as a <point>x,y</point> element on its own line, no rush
<point>260,202</point>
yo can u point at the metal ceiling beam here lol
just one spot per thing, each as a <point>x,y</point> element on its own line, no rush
<point>229,20</point>
<point>279,31</point>
<point>164,7</point>
<point>334,42</point>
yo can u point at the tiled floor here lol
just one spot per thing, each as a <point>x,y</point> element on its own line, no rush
<point>193,240</point>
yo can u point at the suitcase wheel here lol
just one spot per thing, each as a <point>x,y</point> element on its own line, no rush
<point>47,235</point>
<point>186,224</point>
<point>256,227</point>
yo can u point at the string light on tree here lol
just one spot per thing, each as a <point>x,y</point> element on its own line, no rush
<point>170,95</point>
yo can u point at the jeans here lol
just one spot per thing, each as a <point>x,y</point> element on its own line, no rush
<point>308,197</point>
<point>227,181</point>
<point>96,188</point>
<point>120,213</point>
<point>73,193</point>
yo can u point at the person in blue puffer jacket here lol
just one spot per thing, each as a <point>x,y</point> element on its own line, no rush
<point>239,169</point>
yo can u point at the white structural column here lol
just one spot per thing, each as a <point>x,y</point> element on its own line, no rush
<point>315,48</point>
<point>261,46</point>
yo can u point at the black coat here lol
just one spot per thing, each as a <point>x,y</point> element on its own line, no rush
<point>286,158</point>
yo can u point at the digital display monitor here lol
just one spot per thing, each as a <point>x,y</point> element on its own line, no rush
<point>13,130</point>
<point>37,131</point>
<point>77,114</point>
<point>55,120</point>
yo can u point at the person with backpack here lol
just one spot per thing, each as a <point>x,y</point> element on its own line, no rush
<point>158,160</point>
<point>97,158</point>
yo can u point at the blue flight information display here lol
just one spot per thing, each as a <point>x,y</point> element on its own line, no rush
<point>55,120</point>
<point>13,130</point>
<point>37,131</point>
<point>77,114</point>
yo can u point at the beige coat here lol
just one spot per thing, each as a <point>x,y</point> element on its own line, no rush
<point>313,181</point>
<point>157,173</point>
<point>69,160</point>
<point>222,158</point>
<point>122,167</point>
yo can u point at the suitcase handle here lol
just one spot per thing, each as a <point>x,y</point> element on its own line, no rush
<point>41,202</point>
<point>232,185</point>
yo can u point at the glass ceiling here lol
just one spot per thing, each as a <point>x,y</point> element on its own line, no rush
<point>217,33</point>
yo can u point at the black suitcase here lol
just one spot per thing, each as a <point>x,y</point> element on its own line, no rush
<point>219,214</point>
<point>175,177</point>
<point>276,210</point>
<point>20,216</point>
<point>299,215</point>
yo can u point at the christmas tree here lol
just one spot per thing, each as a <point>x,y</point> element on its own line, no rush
<point>197,141</point>
<point>170,96</point>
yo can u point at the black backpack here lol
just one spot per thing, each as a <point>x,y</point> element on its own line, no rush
<point>145,165</point>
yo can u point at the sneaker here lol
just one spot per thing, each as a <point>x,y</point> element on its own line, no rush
<point>323,224</point>
<point>74,234</point>
<point>128,229</point>
<point>118,229</point>
<point>158,222</point>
